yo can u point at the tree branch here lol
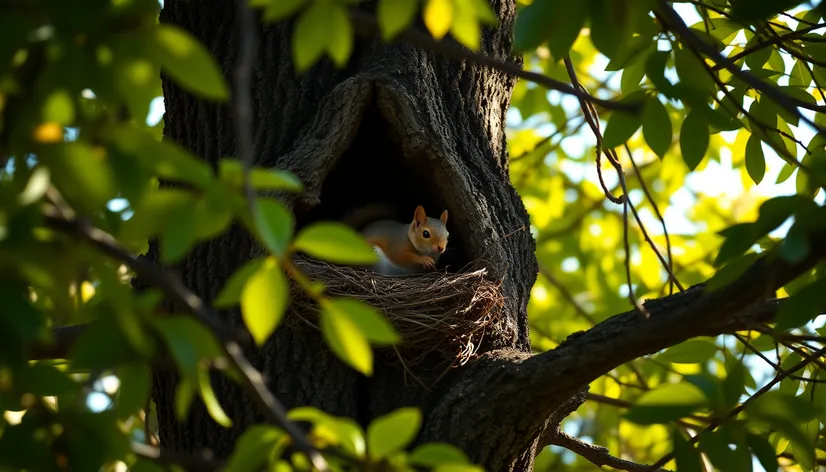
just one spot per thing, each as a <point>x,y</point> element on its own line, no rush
<point>597,455</point>
<point>549,378</point>
<point>678,26</point>
<point>251,379</point>
<point>366,25</point>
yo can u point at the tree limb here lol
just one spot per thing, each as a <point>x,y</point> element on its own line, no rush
<point>597,455</point>
<point>549,378</point>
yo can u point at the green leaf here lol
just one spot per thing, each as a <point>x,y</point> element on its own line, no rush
<point>693,351</point>
<point>281,9</point>
<point>656,127</point>
<point>531,26</point>
<point>666,403</point>
<point>188,62</point>
<point>189,342</point>
<point>264,300</point>
<point>82,175</point>
<point>178,236</point>
<point>133,393</point>
<point>734,385</point>
<point>434,454</point>
<point>396,15</point>
<point>755,162</point>
<point>692,72</point>
<point>375,327</point>
<point>254,448</point>
<point>465,27</point>
<point>730,272</point>
<point>800,77</point>
<point>764,452</point>
<point>795,247</point>
<point>803,306</point>
<point>311,36</point>
<point>274,224</point>
<point>36,186</point>
<point>687,457</point>
<point>334,242</point>
<point>393,432</point>
<point>347,342</point>
<point>786,413</point>
<point>59,108</point>
<point>621,126</point>
<point>694,139</point>
<point>208,395</point>
<point>340,42</point>
<point>271,179</point>
<point>231,293</point>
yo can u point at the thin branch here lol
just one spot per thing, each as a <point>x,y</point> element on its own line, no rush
<point>566,294</point>
<point>807,359</point>
<point>592,119</point>
<point>550,377</point>
<point>251,379</point>
<point>670,265</point>
<point>597,455</point>
<point>669,17</point>
<point>366,25</point>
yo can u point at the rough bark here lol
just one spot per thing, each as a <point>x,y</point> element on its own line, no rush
<point>407,126</point>
<point>397,124</point>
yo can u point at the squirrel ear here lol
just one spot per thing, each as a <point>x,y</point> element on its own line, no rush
<point>419,216</point>
<point>443,218</point>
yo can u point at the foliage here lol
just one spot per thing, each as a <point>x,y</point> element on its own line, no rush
<point>81,164</point>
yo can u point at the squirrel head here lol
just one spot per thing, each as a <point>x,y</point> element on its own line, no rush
<point>428,235</point>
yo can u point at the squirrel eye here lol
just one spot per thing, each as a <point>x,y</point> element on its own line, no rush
<point>426,234</point>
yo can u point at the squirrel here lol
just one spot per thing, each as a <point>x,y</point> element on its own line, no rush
<point>403,248</point>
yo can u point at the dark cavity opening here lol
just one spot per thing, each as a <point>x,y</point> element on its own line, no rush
<point>374,170</point>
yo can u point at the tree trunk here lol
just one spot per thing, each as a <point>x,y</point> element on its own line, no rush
<point>397,124</point>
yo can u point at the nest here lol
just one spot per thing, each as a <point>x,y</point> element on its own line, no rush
<point>449,314</point>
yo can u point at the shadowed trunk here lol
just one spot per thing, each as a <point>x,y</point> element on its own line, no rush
<point>397,125</point>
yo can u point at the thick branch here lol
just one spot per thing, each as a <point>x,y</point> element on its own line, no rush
<point>549,378</point>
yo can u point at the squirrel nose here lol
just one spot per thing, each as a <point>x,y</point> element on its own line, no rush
<point>438,248</point>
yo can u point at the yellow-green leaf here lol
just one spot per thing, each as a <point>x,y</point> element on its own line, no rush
<point>59,108</point>
<point>393,432</point>
<point>340,41</point>
<point>334,242</point>
<point>396,15</point>
<point>375,327</point>
<point>666,403</point>
<point>311,36</point>
<point>274,224</point>
<point>347,342</point>
<point>438,17</point>
<point>264,300</point>
<point>280,9</point>
<point>208,395</point>
<point>231,293</point>
<point>189,62</point>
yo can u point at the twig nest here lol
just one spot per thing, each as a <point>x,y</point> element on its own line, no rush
<point>447,313</point>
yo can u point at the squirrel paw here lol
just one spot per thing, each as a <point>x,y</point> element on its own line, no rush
<point>428,263</point>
